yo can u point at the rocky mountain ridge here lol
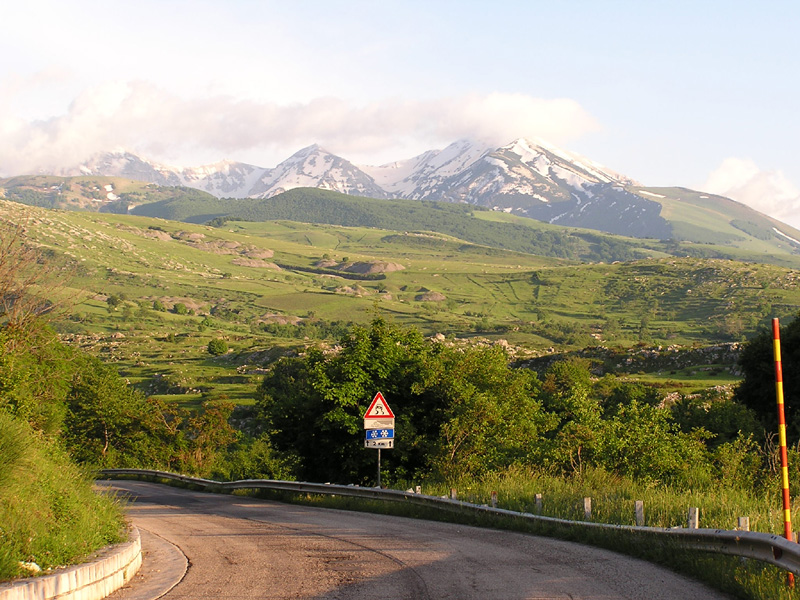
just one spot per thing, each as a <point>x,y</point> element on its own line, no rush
<point>526,177</point>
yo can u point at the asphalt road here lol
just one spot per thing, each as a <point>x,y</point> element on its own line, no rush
<point>244,548</point>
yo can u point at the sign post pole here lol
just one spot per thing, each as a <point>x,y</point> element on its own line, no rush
<point>379,426</point>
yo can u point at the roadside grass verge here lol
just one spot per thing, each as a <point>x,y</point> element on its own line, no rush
<point>613,499</point>
<point>49,514</point>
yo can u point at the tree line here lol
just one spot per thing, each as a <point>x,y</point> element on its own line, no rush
<point>465,412</point>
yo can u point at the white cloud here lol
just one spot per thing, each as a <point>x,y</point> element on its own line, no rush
<point>164,126</point>
<point>769,192</point>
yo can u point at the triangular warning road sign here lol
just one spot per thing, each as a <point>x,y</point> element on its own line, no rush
<point>379,409</point>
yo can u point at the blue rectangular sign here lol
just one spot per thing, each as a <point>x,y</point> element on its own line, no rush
<point>380,434</point>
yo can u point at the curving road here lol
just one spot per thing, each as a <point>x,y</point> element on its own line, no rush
<point>246,548</point>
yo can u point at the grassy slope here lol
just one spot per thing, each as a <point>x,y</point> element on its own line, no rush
<point>89,192</point>
<point>528,300</point>
<point>457,220</point>
<point>702,224</point>
<point>69,521</point>
<point>706,218</point>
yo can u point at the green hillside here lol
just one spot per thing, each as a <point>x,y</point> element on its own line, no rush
<point>310,205</point>
<point>149,294</point>
<point>702,228</point>
<point>92,193</point>
<point>712,220</point>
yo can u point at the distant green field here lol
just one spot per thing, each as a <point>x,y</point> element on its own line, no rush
<point>227,285</point>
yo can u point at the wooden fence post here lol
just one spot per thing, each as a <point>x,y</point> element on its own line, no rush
<point>694,518</point>
<point>453,494</point>
<point>587,509</point>
<point>494,499</point>
<point>639,509</point>
<point>538,498</point>
<point>743,524</point>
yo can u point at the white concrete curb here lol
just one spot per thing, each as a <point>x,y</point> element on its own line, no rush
<point>111,569</point>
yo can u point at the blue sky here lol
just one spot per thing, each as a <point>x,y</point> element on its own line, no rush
<point>699,94</point>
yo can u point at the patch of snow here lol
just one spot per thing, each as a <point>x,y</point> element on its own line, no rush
<point>497,162</point>
<point>652,194</point>
<point>570,177</point>
<point>779,232</point>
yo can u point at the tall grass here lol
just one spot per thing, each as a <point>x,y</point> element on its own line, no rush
<point>49,514</point>
<point>613,499</point>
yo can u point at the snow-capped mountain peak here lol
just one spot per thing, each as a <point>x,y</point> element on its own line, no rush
<point>314,166</point>
<point>415,177</point>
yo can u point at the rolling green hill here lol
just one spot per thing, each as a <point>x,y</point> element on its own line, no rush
<point>150,294</point>
<point>310,205</point>
<point>704,226</point>
<point>715,220</point>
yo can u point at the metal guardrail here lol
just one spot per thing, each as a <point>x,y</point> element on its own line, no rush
<point>764,547</point>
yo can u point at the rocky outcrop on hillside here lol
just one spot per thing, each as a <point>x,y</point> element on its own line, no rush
<point>647,360</point>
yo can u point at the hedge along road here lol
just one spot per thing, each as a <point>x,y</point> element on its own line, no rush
<point>240,547</point>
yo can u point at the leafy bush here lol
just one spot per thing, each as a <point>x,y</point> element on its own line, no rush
<point>217,347</point>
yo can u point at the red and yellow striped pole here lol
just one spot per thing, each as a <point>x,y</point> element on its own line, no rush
<point>787,512</point>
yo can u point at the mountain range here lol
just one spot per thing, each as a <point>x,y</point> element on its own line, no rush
<point>525,178</point>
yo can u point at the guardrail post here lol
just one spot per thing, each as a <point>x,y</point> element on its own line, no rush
<point>638,507</point>
<point>743,524</point>
<point>494,499</point>
<point>538,499</point>
<point>587,509</point>
<point>694,518</point>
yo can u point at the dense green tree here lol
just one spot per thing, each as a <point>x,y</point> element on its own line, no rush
<point>725,419</point>
<point>314,405</point>
<point>757,389</point>
<point>253,458</point>
<point>567,393</point>
<point>458,411</point>
<point>614,393</point>
<point>491,417</point>
<point>110,424</point>
<point>35,370</point>
<point>209,432</point>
